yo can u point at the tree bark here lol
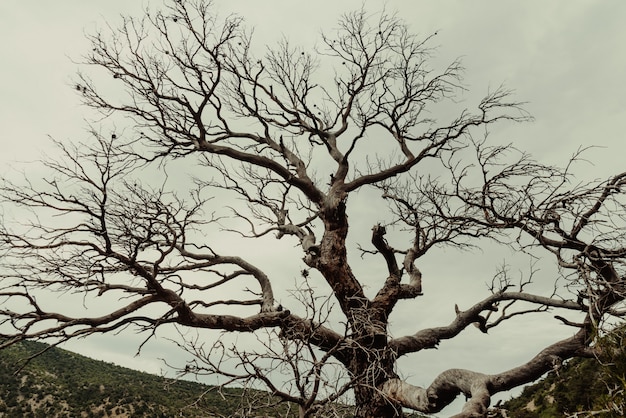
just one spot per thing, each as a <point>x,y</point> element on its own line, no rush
<point>371,368</point>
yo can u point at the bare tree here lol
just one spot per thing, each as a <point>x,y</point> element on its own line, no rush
<point>281,141</point>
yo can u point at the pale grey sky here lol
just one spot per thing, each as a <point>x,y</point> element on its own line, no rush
<point>565,58</point>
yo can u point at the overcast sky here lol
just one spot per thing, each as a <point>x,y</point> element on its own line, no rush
<point>565,58</point>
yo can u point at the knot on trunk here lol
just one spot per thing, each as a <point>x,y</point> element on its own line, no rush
<point>311,250</point>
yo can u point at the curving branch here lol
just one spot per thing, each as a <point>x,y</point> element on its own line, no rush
<point>479,387</point>
<point>432,337</point>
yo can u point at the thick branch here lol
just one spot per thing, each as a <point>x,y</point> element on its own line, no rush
<point>431,337</point>
<point>479,387</point>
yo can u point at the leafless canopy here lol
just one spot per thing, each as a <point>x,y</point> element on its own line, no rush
<point>277,143</point>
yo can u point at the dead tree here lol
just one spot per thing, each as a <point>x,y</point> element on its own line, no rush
<point>277,144</point>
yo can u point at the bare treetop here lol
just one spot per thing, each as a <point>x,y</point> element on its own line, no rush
<point>278,142</point>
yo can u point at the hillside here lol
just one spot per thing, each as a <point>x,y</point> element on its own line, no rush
<point>60,383</point>
<point>581,388</point>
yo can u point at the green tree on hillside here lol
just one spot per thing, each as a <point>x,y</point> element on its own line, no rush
<point>584,387</point>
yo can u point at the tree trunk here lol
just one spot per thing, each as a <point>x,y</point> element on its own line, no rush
<point>371,404</point>
<point>373,366</point>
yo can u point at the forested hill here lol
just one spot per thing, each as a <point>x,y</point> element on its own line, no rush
<point>581,388</point>
<point>60,383</point>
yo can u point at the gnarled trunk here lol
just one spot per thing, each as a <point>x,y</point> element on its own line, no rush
<point>373,366</point>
